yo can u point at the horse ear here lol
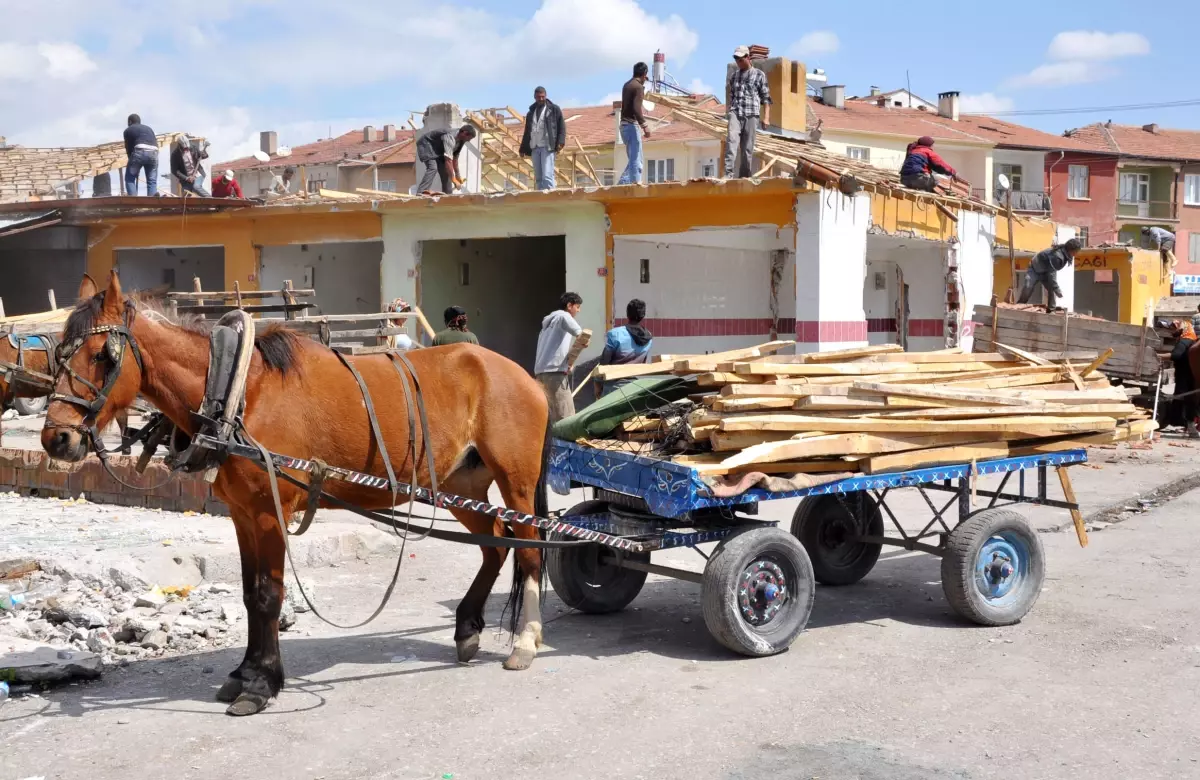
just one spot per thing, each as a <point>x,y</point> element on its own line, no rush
<point>114,299</point>
<point>87,288</point>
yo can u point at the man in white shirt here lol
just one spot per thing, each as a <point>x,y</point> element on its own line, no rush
<point>550,367</point>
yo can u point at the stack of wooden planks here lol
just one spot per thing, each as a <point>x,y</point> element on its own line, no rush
<point>878,409</point>
<point>1135,347</point>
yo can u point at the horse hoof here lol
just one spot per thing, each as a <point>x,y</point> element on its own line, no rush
<point>247,704</point>
<point>520,660</point>
<point>467,648</point>
<point>230,690</point>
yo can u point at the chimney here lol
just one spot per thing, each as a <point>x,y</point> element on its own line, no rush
<point>874,91</point>
<point>1151,128</point>
<point>948,105</point>
<point>368,134</point>
<point>834,95</point>
<point>658,74</point>
<point>268,141</point>
<point>389,133</point>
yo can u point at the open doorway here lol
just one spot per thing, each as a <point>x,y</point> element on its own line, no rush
<point>904,292</point>
<point>344,274</point>
<point>172,269</point>
<point>1098,293</point>
<point>506,285</point>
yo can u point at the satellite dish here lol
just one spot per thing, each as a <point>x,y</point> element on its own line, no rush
<point>262,156</point>
<point>1003,181</point>
<point>284,151</point>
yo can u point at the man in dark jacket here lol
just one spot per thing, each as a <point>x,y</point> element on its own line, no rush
<point>438,152</point>
<point>141,146</point>
<point>186,167</point>
<point>1044,268</point>
<point>545,135</point>
<point>920,163</point>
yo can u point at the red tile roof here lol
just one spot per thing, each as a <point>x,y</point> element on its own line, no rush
<point>597,125</point>
<point>865,117</point>
<point>349,146</point>
<point>1135,141</point>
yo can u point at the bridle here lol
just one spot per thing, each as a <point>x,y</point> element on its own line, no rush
<point>119,336</point>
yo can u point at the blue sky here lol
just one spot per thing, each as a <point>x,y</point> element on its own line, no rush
<point>71,70</point>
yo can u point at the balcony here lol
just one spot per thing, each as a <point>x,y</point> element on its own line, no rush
<point>1147,210</point>
<point>1024,201</point>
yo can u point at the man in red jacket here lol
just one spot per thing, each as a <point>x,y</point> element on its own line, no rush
<point>227,187</point>
<point>921,163</point>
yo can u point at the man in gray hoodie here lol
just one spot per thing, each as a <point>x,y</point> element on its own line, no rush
<point>559,330</point>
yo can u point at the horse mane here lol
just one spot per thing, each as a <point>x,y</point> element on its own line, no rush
<point>277,343</point>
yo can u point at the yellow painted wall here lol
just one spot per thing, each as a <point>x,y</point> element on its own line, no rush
<point>1032,235</point>
<point>241,233</point>
<point>675,215</point>
<point>1138,272</point>
<point>894,215</point>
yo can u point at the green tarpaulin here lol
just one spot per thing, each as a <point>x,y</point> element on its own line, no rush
<point>602,418</point>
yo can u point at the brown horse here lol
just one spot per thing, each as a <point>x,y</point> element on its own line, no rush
<point>488,422</point>
<point>38,360</point>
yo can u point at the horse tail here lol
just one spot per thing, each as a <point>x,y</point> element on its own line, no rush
<point>541,508</point>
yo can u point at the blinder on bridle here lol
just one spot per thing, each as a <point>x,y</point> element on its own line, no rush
<point>114,350</point>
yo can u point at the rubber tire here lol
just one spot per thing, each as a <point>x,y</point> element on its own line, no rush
<point>567,568</point>
<point>719,592</point>
<point>30,406</point>
<point>958,567</point>
<point>810,517</point>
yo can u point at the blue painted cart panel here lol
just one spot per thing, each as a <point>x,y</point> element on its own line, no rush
<point>672,490</point>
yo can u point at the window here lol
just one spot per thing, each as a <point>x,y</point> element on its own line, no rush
<point>1135,188</point>
<point>388,185</point>
<point>1191,189</point>
<point>708,169</point>
<point>1194,248</point>
<point>644,270</point>
<point>1077,182</point>
<point>1082,235</point>
<point>316,183</point>
<point>660,170</point>
<point>1013,172</point>
<point>859,153</point>
<point>608,178</point>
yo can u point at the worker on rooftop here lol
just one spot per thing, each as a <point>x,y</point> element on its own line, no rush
<point>632,118</point>
<point>1044,268</point>
<point>920,163</point>
<point>438,151</point>
<point>282,185</point>
<point>186,166</point>
<point>227,187</point>
<point>1164,242</point>
<point>141,146</point>
<point>456,328</point>
<point>545,135</point>
<point>747,107</point>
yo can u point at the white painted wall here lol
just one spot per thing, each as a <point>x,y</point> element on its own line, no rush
<point>582,224</point>
<point>975,266</point>
<point>345,274</point>
<point>1033,167</point>
<point>831,246</point>
<point>923,264</point>
<point>719,274</point>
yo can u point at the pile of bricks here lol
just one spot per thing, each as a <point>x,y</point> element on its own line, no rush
<point>34,473</point>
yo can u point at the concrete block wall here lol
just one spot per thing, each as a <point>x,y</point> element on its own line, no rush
<point>33,473</point>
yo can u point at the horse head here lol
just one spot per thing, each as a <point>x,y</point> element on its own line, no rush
<point>99,371</point>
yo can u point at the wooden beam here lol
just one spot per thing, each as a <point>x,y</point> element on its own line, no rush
<point>1029,426</point>
<point>935,456</point>
<point>918,391</point>
<point>1064,479</point>
<point>843,444</point>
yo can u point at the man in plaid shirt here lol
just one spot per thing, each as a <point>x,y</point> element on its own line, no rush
<point>746,96</point>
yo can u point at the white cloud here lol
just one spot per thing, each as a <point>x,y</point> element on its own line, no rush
<point>205,74</point>
<point>65,60</point>
<point>1084,45</point>
<point>1062,74</point>
<point>698,87</point>
<point>984,103</point>
<point>814,44</point>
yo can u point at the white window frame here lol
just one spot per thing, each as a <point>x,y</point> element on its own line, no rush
<point>386,185</point>
<point>1015,174</point>
<point>1078,179</point>
<point>708,168</point>
<point>660,170</point>
<point>1191,190</point>
<point>1134,188</point>
<point>1194,247</point>
<point>859,153</point>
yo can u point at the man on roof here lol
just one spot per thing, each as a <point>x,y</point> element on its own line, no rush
<point>438,151</point>
<point>545,135</point>
<point>748,107</point>
<point>920,165</point>
<point>1044,268</point>
<point>1164,242</point>
<point>227,187</point>
<point>186,165</point>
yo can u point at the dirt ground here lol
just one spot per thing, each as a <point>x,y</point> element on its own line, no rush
<point>1099,681</point>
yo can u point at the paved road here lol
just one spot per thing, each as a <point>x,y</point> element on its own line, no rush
<point>1100,681</point>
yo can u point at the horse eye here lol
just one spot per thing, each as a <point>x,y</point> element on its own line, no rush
<point>99,357</point>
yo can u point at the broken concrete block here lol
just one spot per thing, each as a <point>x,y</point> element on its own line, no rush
<point>154,598</point>
<point>155,640</point>
<point>41,664</point>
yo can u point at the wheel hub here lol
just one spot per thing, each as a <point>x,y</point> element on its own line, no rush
<point>762,592</point>
<point>1001,568</point>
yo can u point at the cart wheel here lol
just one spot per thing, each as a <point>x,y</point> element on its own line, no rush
<point>583,576</point>
<point>826,525</point>
<point>28,406</point>
<point>993,567</point>
<point>758,591</point>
